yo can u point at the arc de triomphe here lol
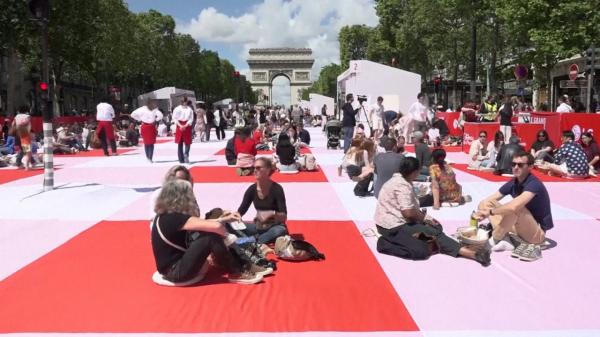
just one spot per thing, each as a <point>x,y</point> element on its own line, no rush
<point>268,63</point>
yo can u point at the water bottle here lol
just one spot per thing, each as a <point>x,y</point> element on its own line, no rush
<point>473,221</point>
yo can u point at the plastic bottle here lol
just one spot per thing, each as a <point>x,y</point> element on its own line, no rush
<point>473,222</point>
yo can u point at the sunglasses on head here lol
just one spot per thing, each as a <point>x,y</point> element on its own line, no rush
<point>520,165</point>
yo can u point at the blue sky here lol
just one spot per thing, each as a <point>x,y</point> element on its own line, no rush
<point>232,27</point>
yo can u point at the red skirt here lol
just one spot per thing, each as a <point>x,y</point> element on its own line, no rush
<point>148,132</point>
<point>184,136</point>
<point>108,129</point>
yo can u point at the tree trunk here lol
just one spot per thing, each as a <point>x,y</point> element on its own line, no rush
<point>11,83</point>
<point>494,57</point>
<point>455,75</point>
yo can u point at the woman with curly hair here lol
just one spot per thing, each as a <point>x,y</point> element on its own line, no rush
<point>181,261</point>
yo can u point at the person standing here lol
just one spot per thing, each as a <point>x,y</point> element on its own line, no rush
<point>183,116</point>
<point>376,116</point>
<point>148,115</point>
<point>349,121</point>
<point>324,116</point>
<point>104,115</point>
<point>418,113</point>
<point>220,124</point>
<point>506,113</point>
<point>210,120</point>
<point>200,121</point>
<point>563,106</point>
<point>489,109</point>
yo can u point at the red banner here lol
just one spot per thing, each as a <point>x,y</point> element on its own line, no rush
<point>580,123</point>
<point>527,132</point>
<point>472,131</point>
<point>451,119</point>
<point>550,122</point>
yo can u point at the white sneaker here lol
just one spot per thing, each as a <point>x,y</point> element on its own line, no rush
<point>501,246</point>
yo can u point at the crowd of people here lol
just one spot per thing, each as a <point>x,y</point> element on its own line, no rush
<point>187,244</point>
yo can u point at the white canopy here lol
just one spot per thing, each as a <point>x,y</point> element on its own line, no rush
<point>374,79</point>
<point>168,97</point>
<point>316,104</point>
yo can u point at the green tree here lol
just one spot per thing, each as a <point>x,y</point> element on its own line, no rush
<point>353,43</point>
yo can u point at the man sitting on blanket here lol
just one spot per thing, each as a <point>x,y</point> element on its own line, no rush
<point>527,217</point>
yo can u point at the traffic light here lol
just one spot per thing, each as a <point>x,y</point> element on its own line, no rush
<point>591,59</point>
<point>43,86</point>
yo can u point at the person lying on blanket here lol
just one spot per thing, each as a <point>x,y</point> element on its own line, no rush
<point>398,211</point>
<point>526,218</point>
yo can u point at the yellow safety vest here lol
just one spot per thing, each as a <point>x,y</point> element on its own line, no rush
<point>492,111</point>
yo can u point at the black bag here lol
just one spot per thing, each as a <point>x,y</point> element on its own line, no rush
<point>362,187</point>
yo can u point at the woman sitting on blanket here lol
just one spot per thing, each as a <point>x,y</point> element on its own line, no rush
<point>398,211</point>
<point>444,187</point>
<point>493,149</point>
<point>358,161</point>
<point>245,150</point>
<point>286,153</point>
<point>268,199</point>
<point>180,261</point>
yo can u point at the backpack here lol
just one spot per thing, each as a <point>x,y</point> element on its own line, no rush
<point>290,249</point>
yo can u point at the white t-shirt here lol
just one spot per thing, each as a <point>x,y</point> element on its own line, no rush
<point>418,112</point>
<point>564,107</point>
<point>105,112</point>
<point>183,114</point>
<point>145,115</point>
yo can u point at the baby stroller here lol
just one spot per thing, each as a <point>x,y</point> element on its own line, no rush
<point>334,130</point>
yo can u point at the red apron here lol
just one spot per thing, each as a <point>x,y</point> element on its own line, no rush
<point>108,129</point>
<point>148,132</point>
<point>184,136</point>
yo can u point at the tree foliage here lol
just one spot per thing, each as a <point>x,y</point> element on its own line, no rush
<point>433,37</point>
<point>102,43</point>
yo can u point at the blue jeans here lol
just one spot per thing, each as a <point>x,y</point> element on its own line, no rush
<point>268,236</point>
<point>348,133</point>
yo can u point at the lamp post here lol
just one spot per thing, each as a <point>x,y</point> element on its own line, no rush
<point>40,10</point>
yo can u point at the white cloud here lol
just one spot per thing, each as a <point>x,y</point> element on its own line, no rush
<point>276,23</point>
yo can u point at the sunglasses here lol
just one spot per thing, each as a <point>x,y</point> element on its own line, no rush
<point>520,165</point>
<point>541,136</point>
<point>258,167</point>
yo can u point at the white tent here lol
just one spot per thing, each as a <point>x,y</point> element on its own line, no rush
<point>167,97</point>
<point>374,79</point>
<point>316,104</point>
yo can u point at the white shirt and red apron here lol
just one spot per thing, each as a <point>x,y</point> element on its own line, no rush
<point>148,118</point>
<point>183,117</point>
<point>104,115</point>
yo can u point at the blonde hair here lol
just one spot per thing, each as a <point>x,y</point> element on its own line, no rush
<point>172,174</point>
<point>177,196</point>
<point>268,164</point>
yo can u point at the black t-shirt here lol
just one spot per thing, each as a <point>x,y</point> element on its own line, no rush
<point>539,206</point>
<point>540,145</point>
<point>171,225</point>
<point>286,154</point>
<point>275,201</point>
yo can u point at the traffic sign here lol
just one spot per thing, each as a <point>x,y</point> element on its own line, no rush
<point>573,71</point>
<point>573,84</point>
<point>521,72</point>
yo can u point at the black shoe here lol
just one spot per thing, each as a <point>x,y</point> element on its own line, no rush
<point>483,257</point>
